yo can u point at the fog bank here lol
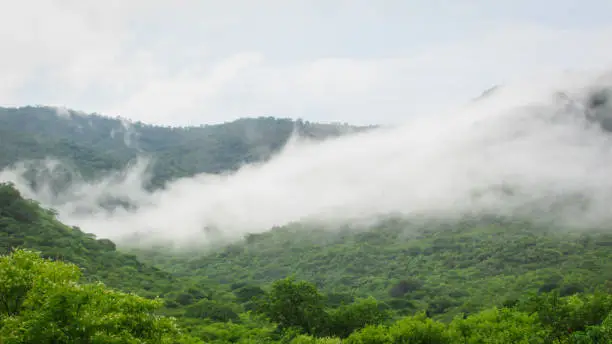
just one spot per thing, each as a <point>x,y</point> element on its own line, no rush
<point>524,149</point>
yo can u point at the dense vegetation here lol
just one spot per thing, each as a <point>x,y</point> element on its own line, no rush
<point>490,284</point>
<point>42,302</point>
<point>474,281</point>
<point>94,144</point>
<point>442,271</point>
<point>23,223</point>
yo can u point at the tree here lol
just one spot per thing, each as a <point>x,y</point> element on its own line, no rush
<point>42,302</point>
<point>404,287</point>
<point>25,276</point>
<point>371,335</point>
<point>295,304</point>
<point>349,318</point>
<point>498,326</point>
<point>420,330</point>
<point>212,310</point>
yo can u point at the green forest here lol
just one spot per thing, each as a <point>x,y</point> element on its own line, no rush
<point>478,280</point>
<point>93,145</point>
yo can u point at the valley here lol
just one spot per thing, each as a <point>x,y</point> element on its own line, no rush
<point>480,279</point>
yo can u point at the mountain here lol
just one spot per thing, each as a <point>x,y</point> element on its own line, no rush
<point>94,144</point>
<point>486,280</point>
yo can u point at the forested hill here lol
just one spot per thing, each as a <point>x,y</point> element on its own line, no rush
<point>94,144</point>
<point>24,223</point>
<point>497,277</point>
<point>473,281</point>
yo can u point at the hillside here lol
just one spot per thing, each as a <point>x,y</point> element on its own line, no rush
<point>95,144</point>
<point>470,281</point>
<point>443,269</point>
<point>25,224</point>
<point>471,265</point>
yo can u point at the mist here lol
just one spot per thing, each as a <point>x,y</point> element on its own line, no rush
<point>537,148</point>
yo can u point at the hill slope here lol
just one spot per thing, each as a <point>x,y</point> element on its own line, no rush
<point>444,269</point>
<point>24,224</point>
<point>94,144</point>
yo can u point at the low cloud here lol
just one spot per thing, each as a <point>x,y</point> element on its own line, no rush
<point>535,148</point>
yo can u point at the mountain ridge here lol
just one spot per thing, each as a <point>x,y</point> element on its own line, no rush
<point>394,281</point>
<point>96,144</point>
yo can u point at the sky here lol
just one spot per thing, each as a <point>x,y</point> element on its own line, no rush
<point>191,62</point>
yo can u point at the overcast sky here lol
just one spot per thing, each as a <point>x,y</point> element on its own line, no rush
<point>181,62</point>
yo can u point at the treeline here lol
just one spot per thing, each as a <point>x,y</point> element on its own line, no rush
<point>537,318</point>
<point>92,144</point>
<point>441,269</point>
<point>457,285</point>
<point>42,301</point>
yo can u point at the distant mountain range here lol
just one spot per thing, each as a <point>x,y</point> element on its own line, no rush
<point>95,144</point>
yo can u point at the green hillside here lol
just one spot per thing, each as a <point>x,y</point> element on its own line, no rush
<point>444,270</point>
<point>557,284</point>
<point>24,224</point>
<point>471,281</point>
<point>95,144</point>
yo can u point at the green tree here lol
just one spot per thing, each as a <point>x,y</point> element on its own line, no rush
<point>47,305</point>
<point>295,304</point>
<point>348,318</point>
<point>212,310</point>
<point>373,334</point>
<point>498,326</point>
<point>420,330</point>
<point>563,316</point>
<point>595,334</point>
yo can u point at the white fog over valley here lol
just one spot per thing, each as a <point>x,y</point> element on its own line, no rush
<point>517,151</point>
<point>538,146</point>
<point>306,171</point>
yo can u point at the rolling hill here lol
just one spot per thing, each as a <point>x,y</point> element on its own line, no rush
<point>445,269</point>
<point>483,282</point>
<point>93,144</point>
<point>480,280</point>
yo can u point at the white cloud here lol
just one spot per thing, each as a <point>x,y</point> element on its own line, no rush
<point>521,138</point>
<point>384,89</point>
<point>198,61</point>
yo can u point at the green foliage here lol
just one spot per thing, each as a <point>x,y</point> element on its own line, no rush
<point>419,330</point>
<point>305,339</point>
<point>213,310</point>
<point>300,306</point>
<point>41,300</point>
<point>348,318</point>
<point>563,316</point>
<point>95,144</point>
<point>43,303</point>
<point>22,272</point>
<point>374,334</point>
<point>23,223</point>
<point>444,269</point>
<point>295,304</point>
<point>473,281</point>
<point>498,326</point>
<point>594,334</point>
